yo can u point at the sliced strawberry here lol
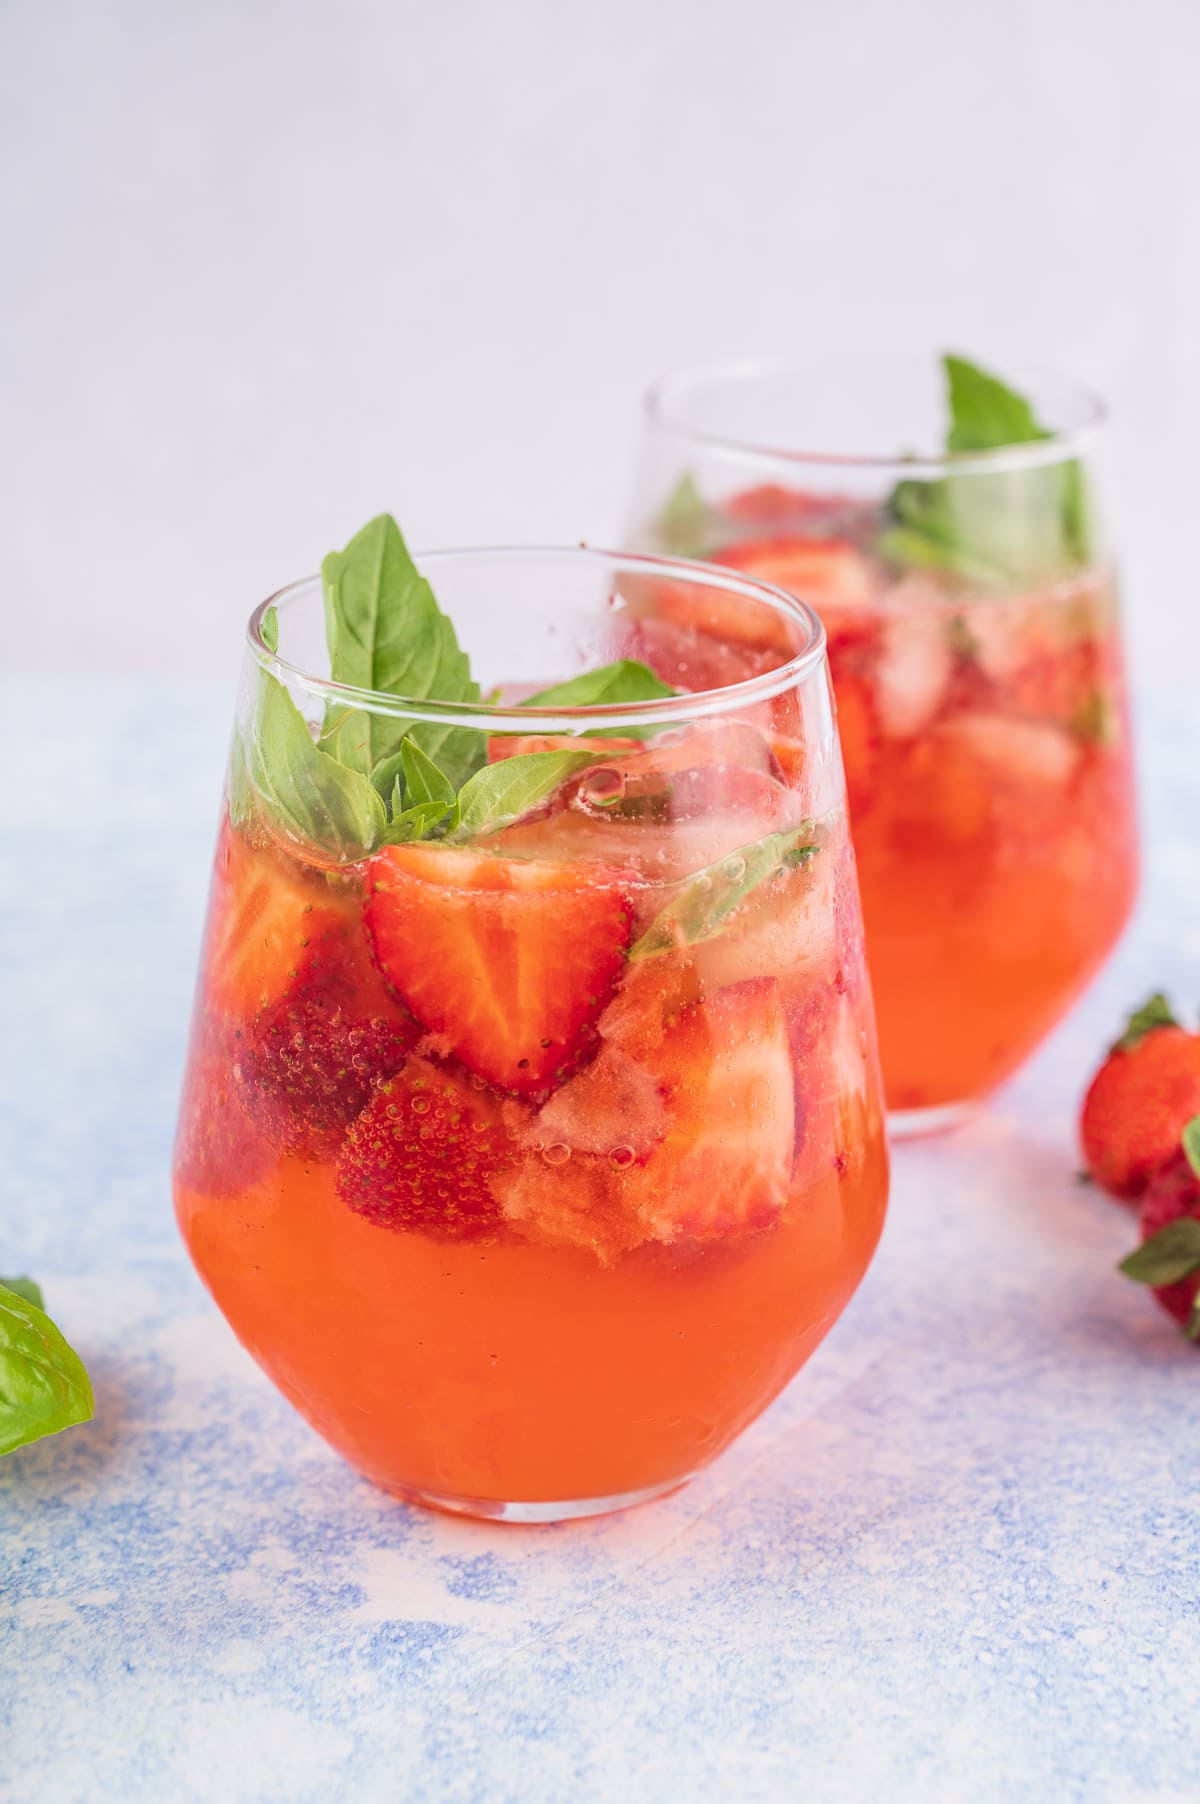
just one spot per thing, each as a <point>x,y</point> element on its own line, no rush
<point>424,1155</point>
<point>218,1150</point>
<point>705,1149</point>
<point>514,745</point>
<point>266,918</point>
<point>725,1164</point>
<point>307,1066</point>
<point>823,572</point>
<point>510,962</point>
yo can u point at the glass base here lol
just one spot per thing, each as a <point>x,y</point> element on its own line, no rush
<point>574,1509</point>
<point>912,1124</point>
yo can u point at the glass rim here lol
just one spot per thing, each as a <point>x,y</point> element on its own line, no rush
<point>1058,446</point>
<point>660,712</point>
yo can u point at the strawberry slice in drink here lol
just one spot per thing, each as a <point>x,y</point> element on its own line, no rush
<point>723,1136</point>
<point>425,1154</point>
<point>267,919</point>
<point>725,1164</point>
<point>507,963</point>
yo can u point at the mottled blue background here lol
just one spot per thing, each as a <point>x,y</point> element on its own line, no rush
<point>958,1559</point>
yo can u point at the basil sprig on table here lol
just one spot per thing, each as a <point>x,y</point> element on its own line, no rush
<point>366,779</point>
<point>992,528</point>
<point>43,1384</point>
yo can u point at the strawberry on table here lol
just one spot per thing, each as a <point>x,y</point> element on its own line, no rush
<point>1140,1100</point>
<point>508,963</point>
<point>424,1154</point>
<point>1169,1257</point>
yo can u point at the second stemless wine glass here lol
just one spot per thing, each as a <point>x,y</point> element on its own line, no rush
<point>532,1160</point>
<point>971,611</point>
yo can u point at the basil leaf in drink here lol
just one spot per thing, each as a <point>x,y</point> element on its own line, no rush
<point>43,1384</point>
<point>24,1287</point>
<point>994,529</point>
<point>985,412</point>
<point>702,907</point>
<point>386,632</point>
<point>625,681</point>
<point>423,781</point>
<point>311,795</point>
<point>684,526</point>
<point>502,792</point>
<point>422,799</point>
<point>1168,1256</point>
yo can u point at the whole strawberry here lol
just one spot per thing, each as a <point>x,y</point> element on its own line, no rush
<point>1169,1257</point>
<point>1141,1098</point>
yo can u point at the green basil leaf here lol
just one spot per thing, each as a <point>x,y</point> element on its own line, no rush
<point>1191,1143</point>
<point>423,781</point>
<point>1155,1012</point>
<point>502,792</point>
<point>993,529</point>
<point>611,685</point>
<point>24,1287</point>
<point>1171,1254</point>
<point>701,909</point>
<point>386,631</point>
<point>685,523</point>
<point>43,1384</point>
<point>985,412</point>
<point>310,794</point>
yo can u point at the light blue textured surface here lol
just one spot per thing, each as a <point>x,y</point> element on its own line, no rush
<point>958,1559</point>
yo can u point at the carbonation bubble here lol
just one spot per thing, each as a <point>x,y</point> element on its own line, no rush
<point>621,1156</point>
<point>556,1154</point>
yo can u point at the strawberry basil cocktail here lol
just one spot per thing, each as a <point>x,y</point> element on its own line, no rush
<point>531,1136</point>
<point>969,604</point>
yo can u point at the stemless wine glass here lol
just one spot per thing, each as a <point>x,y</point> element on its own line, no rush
<point>531,1161</point>
<point>971,611</point>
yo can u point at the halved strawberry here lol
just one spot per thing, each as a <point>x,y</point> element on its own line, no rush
<point>266,917</point>
<point>510,963</point>
<point>705,1149</point>
<point>725,1164</point>
<point>424,1154</point>
<point>514,745</point>
<point>823,572</point>
<point>308,1065</point>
